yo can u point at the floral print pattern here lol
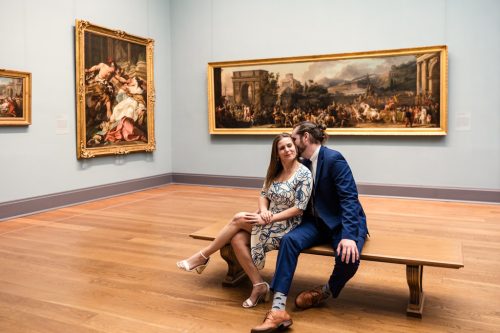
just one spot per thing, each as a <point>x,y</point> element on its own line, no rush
<point>294,192</point>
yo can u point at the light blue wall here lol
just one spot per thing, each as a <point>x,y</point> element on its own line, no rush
<point>38,37</point>
<point>219,30</point>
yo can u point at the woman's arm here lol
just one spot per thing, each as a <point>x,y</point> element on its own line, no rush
<point>286,214</point>
<point>263,204</point>
<point>281,216</point>
<point>264,212</point>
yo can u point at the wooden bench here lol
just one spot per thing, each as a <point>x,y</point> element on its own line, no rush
<point>414,252</point>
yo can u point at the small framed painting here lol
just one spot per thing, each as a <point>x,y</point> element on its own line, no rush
<point>15,98</point>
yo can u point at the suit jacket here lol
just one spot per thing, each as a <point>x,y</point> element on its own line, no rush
<point>336,200</point>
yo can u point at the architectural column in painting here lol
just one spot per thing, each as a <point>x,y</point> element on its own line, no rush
<point>428,75</point>
<point>423,79</point>
<point>419,78</point>
<point>434,72</point>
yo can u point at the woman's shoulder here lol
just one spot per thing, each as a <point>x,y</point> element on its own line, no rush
<point>303,171</point>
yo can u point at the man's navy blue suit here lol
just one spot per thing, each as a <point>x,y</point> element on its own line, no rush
<point>337,215</point>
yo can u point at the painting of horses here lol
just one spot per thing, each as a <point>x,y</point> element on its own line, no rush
<point>15,98</point>
<point>115,93</point>
<point>391,92</point>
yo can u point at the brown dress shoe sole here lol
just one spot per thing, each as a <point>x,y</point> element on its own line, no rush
<point>281,327</point>
<point>314,301</point>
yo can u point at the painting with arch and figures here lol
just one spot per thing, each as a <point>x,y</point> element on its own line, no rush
<point>392,92</point>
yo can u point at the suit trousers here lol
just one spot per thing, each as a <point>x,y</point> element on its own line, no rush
<point>312,231</point>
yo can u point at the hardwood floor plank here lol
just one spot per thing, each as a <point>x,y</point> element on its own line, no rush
<point>109,266</point>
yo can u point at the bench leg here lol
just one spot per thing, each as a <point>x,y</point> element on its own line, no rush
<point>416,303</point>
<point>235,274</point>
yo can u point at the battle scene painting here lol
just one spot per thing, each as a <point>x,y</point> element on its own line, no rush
<point>383,92</point>
<point>116,115</point>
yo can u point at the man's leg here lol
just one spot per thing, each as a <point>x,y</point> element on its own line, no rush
<point>302,237</point>
<point>343,272</point>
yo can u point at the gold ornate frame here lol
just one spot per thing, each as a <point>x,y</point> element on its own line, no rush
<point>92,94</point>
<point>424,77</point>
<point>15,98</point>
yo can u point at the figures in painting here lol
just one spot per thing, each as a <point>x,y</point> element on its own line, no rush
<point>116,107</point>
<point>11,97</point>
<point>9,107</point>
<point>378,92</point>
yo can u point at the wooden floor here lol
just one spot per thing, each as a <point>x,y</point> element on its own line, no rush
<point>109,266</point>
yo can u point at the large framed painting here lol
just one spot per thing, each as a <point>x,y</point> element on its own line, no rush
<point>391,92</point>
<point>115,91</point>
<point>15,98</point>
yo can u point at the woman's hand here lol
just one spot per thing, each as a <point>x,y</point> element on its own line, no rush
<point>253,218</point>
<point>266,216</point>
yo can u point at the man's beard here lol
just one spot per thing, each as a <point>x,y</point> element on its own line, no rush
<point>300,150</point>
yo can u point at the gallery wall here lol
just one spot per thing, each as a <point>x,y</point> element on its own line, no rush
<point>223,30</point>
<point>38,37</point>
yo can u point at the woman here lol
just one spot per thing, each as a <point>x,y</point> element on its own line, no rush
<point>128,113</point>
<point>284,197</point>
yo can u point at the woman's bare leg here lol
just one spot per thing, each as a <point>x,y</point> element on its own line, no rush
<point>224,237</point>
<point>241,246</point>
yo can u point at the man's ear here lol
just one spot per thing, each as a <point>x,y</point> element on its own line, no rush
<point>306,136</point>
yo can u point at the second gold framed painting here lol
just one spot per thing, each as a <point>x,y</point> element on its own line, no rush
<point>15,98</point>
<point>115,91</point>
<point>390,92</point>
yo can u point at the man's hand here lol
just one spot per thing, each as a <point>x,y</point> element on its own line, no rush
<point>348,249</point>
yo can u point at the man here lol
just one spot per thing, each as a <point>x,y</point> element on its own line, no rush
<point>105,71</point>
<point>335,216</point>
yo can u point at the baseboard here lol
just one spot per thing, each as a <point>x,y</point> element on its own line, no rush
<point>433,193</point>
<point>42,203</point>
<point>33,205</point>
<point>214,180</point>
<point>407,191</point>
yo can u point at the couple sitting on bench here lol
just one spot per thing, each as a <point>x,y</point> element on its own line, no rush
<point>301,205</point>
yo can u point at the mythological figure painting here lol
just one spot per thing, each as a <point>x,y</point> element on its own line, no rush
<point>115,92</point>
<point>399,92</point>
<point>15,98</point>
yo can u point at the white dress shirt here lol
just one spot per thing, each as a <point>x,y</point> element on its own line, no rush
<point>314,160</point>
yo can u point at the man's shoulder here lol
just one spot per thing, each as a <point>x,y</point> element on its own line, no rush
<point>332,154</point>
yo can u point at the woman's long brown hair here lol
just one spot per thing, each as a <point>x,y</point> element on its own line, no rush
<point>275,165</point>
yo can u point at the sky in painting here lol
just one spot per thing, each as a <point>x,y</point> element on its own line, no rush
<point>5,80</point>
<point>346,69</point>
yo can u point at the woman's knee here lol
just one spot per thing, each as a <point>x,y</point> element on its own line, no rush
<point>237,218</point>
<point>240,239</point>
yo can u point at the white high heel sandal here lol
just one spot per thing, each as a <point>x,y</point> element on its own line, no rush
<point>266,297</point>
<point>184,265</point>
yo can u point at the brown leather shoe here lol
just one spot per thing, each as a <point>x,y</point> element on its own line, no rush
<point>275,320</point>
<point>309,298</point>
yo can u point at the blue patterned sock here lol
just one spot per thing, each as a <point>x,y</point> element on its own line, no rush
<point>326,290</point>
<point>279,301</point>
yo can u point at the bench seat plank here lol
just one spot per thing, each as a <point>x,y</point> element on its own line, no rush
<point>412,251</point>
<point>390,248</point>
